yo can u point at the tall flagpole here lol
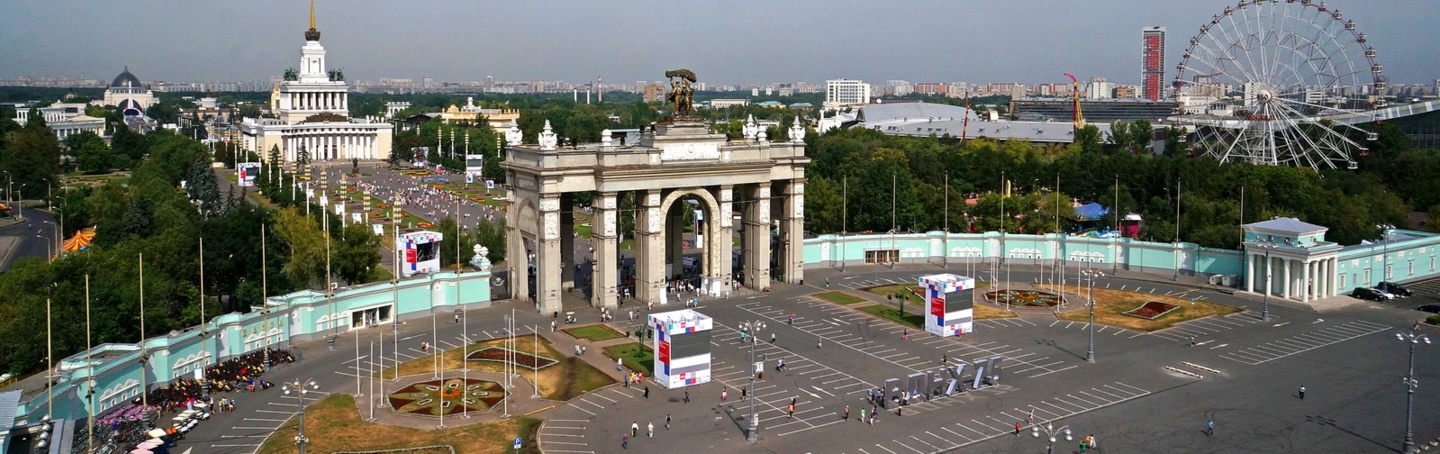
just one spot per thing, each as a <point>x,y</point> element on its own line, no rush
<point>144,388</point>
<point>844,217</point>
<point>945,253</point>
<point>204,355</point>
<point>264,297</point>
<point>90,392</point>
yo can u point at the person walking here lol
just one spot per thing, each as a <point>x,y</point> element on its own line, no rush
<point>650,429</point>
<point>724,394</point>
<point>1210,427</point>
<point>791,320</point>
<point>667,422</point>
<point>905,334</point>
<point>872,418</point>
<point>772,338</point>
<point>791,410</point>
<point>819,342</point>
<point>625,441</point>
<point>457,316</point>
<point>827,282</point>
<point>627,380</point>
<point>1302,392</point>
<point>1017,429</point>
<point>647,392</point>
<point>619,364</point>
<point>635,428</point>
<point>687,396</point>
<point>847,412</point>
<point>862,414</point>
<point>744,393</point>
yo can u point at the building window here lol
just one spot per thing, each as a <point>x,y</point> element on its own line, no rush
<point>1342,280</point>
<point>1432,264</point>
<point>1388,271</point>
<point>1410,268</point>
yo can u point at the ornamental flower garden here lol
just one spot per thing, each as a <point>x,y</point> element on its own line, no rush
<point>1032,298</point>
<point>447,396</point>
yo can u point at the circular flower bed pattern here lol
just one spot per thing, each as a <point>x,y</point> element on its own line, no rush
<point>1023,298</point>
<point>448,397</point>
<point>522,359</point>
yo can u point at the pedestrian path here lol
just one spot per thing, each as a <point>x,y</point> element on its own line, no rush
<point>851,329</point>
<point>1301,343</point>
<point>951,436</point>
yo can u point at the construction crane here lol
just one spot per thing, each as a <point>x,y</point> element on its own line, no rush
<point>1078,120</point>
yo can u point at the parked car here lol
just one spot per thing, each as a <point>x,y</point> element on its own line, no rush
<point>1387,295</point>
<point>1433,308</point>
<point>1366,293</point>
<point>1397,289</point>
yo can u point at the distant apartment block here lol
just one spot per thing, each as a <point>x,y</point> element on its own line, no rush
<point>846,92</point>
<point>1152,60</point>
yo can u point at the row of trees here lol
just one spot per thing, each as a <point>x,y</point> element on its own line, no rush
<point>152,215</point>
<point>912,172</point>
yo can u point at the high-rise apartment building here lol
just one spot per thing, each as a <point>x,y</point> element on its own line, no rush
<point>844,92</point>
<point>1152,62</point>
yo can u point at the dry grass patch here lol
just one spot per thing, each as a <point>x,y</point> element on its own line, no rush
<point>840,298</point>
<point>333,424</point>
<point>593,333</point>
<point>1111,304</point>
<point>570,378</point>
<point>984,311</point>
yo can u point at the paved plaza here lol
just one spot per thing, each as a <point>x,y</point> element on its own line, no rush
<point>1133,399</point>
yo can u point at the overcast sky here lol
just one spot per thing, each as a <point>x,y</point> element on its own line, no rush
<point>724,42</point>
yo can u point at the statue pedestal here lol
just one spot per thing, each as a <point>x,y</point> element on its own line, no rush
<point>684,139</point>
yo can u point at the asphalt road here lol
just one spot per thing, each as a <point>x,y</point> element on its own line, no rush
<point>31,238</point>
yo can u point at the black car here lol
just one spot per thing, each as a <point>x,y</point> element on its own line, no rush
<point>1397,289</point>
<point>1433,308</point>
<point>1366,293</point>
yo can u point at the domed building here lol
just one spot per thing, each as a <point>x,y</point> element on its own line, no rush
<point>311,115</point>
<point>127,93</point>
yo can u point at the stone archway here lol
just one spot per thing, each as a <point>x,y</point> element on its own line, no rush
<point>717,247</point>
<point>518,247</point>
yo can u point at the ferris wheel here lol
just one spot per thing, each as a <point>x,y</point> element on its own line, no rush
<point>1265,81</point>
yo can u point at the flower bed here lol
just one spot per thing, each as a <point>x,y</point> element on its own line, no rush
<point>1152,310</point>
<point>522,359</point>
<point>448,396</point>
<point>1033,298</point>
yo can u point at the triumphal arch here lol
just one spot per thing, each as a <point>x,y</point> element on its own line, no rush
<point>749,187</point>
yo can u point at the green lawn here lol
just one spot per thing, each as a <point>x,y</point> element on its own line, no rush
<point>912,317</point>
<point>593,333</point>
<point>637,357</point>
<point>839,297</point>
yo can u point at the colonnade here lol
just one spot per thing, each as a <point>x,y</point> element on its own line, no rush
<point>1299,279</point>
<point>336,100</point>
<point>331,145</point>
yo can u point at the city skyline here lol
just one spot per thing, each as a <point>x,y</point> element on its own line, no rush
<point>1027,41</point>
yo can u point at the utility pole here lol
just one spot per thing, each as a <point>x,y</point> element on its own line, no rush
<point>844,218</point>
<point>945,243</point>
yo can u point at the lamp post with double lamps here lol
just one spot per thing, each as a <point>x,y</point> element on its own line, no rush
<point>1050,433</point>
<point>1413,338</point>
<point>300,389</point>
<point>1089,277</point>
<point>753,327</point>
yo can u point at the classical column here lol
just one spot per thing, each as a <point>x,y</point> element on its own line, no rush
<point>548,262</point>
<point>756,236</point>
<point>567,241</point>
<point>1249,272</point>
<point>604,228</point>
<point>649,247</point>
<point>1323,283</point>
<point>1305,281</point>
<point>1288,281</point>
<point>1334,272</point>
<point>1269,275</point>
<point>674,239</point>
<point>720,241</point>
<point>792,228</point>
<point>515,254</point>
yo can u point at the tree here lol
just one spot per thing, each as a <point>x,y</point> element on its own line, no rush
<point>823,206</point>
<point>355,254</point>
<point>491,234</point>
<point>202,188</point>
<point>32,155</point>
<point>1088,139</point>
<point>94,156</point>
<point>307,246</point>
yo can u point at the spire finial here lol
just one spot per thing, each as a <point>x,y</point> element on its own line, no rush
<point>312,34</point>
<point>312,14</point>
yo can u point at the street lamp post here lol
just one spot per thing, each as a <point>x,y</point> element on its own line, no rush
<point>754,328</point>
<point>1090,276</point>
<point>1413,338</point>
<point>1050,432</point>
<point>300,389</point>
